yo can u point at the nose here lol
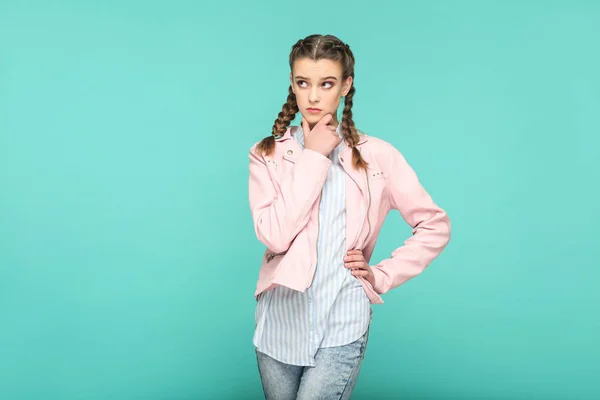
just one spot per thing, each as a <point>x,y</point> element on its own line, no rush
<point>313,96</point>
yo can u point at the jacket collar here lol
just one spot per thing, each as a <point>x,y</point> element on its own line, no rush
<point>290,131</point>
<point>292,149</point>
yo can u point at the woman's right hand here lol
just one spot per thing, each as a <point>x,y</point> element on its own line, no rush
<point>323,138</point>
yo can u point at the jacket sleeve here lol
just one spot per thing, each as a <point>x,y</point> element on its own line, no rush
<point>279,216</point>
<point>430,233</point>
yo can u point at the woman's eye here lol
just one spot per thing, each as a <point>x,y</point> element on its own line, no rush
<point>328,83</point>
<point>301,83</point>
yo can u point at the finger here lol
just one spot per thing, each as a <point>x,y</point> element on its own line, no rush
<point>326,119</point>
<point>305,127</point>
<point>356,265</point>
<point>354,252</point>
<point>355,257</point>
<point>360,272</point>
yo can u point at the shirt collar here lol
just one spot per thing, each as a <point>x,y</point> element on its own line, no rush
<point>299,134</point>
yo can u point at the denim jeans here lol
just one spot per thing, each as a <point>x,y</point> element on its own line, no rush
<point>333,377</point>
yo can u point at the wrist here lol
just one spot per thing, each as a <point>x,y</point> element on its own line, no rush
<point>316,151</point>
<point>370,277</point>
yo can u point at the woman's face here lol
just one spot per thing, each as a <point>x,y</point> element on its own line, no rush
<point>318,87</point>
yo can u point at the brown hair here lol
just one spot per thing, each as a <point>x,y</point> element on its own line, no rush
<point>317,47</point>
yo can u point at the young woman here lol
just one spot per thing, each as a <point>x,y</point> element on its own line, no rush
<point>319,193</point>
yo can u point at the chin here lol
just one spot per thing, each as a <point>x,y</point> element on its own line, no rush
<point>314,118</point>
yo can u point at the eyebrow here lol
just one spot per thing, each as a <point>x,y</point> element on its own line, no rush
<point>308,79</point>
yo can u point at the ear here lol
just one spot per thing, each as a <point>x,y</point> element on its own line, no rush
<point>292,83</point>
<point>346,86</point>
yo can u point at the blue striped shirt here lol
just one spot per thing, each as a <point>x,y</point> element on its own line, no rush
<point>335,310</point>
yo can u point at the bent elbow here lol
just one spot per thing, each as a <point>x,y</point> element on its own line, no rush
<point>277,243</point>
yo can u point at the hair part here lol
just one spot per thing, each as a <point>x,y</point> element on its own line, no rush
<point>318,47</point>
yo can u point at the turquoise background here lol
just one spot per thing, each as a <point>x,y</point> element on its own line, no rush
<point>128,260</point>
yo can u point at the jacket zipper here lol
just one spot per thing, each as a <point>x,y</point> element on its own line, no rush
<point>271,256</point>
<point>317,241</point>
<point>369,204</point>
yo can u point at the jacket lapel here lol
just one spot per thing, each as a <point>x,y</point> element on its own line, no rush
<point>291,148</point>
<point>356,199</point>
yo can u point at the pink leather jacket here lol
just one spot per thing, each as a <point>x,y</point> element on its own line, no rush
<point>284,193</point>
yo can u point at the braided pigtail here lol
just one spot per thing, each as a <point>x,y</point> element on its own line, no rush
<point>286,115</point>
<point>350,133</point>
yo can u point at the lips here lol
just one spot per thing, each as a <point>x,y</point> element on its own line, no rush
<point>313,110</point>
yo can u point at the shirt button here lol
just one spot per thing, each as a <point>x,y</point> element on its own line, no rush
<point>290,152</point>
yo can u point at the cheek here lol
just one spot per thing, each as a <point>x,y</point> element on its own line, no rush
<point>301,99</point>
<point>332,102</point>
